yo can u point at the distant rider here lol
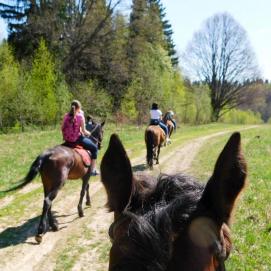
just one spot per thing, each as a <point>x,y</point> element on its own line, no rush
<point>74,131</point>
<point>156,119</point>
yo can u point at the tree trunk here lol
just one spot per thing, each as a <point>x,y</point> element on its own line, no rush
<point>215,114</point>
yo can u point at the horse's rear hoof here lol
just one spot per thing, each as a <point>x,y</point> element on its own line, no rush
<point>38,238</point>
<point>81,213</point>
<point>88,203</point>
<point>54,227</point>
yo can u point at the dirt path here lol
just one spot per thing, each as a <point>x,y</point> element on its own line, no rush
<point>24,255</point>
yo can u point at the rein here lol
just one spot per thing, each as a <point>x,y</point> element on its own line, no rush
<point>94,129</point>
<point>93,137</point>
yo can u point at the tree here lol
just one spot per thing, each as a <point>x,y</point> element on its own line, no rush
<point>221,56</point>
<point>115,77</point>
<point>167,30</point>
<point>74,30</point>
<point>42,84</point>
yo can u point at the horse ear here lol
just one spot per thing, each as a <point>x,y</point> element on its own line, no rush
<point>227,181</point>
<point>103,123</point>
<point>116,175</point>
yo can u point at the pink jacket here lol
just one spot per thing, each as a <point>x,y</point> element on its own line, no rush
<point>71,130</point>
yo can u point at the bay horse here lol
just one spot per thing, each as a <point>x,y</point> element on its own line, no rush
<point>154,138</point>
<point>173,223</point>
<point>55,166</point>
<point>166,120</point>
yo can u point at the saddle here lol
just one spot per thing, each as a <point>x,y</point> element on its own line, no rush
<point>85,154</point>
<point>154,122</point>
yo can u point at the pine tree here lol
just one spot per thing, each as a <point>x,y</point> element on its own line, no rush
<point>167,30</point>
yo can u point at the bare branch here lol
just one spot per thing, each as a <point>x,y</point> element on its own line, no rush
<point>220,55</point>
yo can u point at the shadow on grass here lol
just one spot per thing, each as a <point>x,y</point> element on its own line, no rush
<point>16,235</point>
<point>13,236</point>
<point>140,167</point>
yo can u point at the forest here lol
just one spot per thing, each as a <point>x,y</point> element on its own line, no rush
<point>117,62</point>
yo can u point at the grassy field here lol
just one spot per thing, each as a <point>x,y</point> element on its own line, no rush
<point>19,150</point>
<point>252,223</point>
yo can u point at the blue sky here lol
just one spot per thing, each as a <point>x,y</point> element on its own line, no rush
<point>187,16</point>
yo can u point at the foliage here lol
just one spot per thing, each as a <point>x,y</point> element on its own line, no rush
<point>9,76</point>
<point>15,99</point>
<point>116,73</point>
<point>123,64</point>
<point>256,96</point>
<point>42,83</point>
<point>167,30</point>
<point>95,101</point>
<point>241,117</point>
<point>154,79</point>
<point>197,104</point>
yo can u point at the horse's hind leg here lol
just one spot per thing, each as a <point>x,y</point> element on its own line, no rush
<point>47,203</point>
<point>82,194</point>
<point>158,153</point>
<point>88,202</point>
<point>52,221</point>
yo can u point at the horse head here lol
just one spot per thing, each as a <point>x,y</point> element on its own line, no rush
<point>97,133</point>
<point>173,223</point>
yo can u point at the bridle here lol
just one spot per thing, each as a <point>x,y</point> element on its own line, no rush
<point>97,141</point>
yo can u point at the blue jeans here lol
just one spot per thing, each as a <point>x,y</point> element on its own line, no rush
<point>161,124</point>
<point>174,122</point>
<point>87,144</point>
<point>164,127</point>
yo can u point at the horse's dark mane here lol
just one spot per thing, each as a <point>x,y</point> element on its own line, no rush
<point>165,209</point>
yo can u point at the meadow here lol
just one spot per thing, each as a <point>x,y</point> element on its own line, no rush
<point>252,221</point>
<point>251,227</point>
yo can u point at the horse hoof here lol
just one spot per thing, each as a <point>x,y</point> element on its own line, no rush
<point>38,238</point>
<point>54,227</point>
<point>88,203</point>
<point>81,214</point>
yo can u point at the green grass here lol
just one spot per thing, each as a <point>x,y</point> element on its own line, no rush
<point>251,229</point>
<point>19,150</point>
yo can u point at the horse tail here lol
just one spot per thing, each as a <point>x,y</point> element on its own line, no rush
<point>33,171</point>
<point>149,145</point>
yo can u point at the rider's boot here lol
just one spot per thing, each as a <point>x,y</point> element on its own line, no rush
<point>93,169</point>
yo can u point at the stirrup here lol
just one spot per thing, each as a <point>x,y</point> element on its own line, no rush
<point>95,173</point>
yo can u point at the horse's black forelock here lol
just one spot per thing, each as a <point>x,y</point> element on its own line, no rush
<point>165,212</point>
<point>146,233</point>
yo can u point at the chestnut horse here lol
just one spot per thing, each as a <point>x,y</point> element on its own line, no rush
<point>173,223</point>
<point>55,166</point>
<point>166,120</point>
<point>154,138</point>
